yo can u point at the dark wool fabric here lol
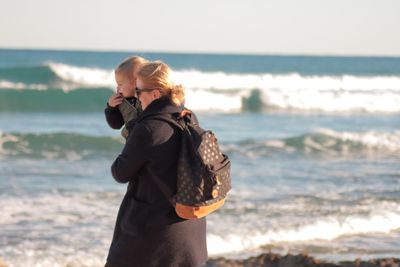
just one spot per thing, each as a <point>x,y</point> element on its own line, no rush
<point>113,117</point>
<point>147,231</point>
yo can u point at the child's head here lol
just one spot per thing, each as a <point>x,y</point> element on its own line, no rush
<point>125,75</point>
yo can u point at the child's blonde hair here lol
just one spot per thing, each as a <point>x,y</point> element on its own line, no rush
<point>157,74</point>
<point>130,66</point>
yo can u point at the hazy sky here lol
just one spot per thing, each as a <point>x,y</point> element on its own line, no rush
<point>339,27</point>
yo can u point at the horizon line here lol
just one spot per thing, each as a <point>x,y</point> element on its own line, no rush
<point>229,53</point>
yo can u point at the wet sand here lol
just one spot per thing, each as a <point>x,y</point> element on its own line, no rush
<point>276,260</point>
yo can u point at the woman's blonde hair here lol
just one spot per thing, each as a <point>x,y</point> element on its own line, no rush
<point>130,66</point>
<point>158,75</point>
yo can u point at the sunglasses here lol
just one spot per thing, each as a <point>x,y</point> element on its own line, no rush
<point>139,91</point>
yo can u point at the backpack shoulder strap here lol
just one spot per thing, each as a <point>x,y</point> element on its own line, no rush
<point>177,122</point>
<point>168,193</point>
<point>171,119</point>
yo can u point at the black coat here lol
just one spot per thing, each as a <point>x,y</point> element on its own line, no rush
<point>113,117</point>
<point>148,232</point>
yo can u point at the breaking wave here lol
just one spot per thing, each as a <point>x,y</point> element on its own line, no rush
<point>323,141</point>
<point>226,92</point>
<point>70,146</point>
<point>324,229</point>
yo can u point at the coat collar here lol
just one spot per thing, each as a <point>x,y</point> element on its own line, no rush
<point>162,105</point>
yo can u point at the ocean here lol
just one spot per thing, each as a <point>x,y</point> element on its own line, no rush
<point>314,143</point>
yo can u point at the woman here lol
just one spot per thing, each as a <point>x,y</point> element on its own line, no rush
<point>148,232</point>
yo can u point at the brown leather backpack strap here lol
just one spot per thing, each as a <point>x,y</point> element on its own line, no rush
<point>185,112</point>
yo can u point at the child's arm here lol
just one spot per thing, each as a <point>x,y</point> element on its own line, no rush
<point>113,115</point>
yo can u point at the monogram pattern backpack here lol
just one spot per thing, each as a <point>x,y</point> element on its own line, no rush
<point>203,175</point>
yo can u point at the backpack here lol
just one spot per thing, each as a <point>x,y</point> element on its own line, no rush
<point>203,174</point>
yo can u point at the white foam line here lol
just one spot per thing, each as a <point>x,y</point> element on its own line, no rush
<point>195,79</point>
<point>370,139</point>
<point>22,86</point>
<point>83,75</point>
<point>327,230</point>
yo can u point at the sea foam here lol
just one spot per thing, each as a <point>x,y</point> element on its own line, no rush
<point>83,75</point>
<point>53,214</point>
<point>323,229</point>
<point>323,141</point>
<point>21,86</point>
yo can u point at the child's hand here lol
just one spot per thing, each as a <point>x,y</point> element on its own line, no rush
<point>115,100</point>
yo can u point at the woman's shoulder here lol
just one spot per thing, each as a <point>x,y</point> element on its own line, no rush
<point>155,123</point>
<point>159,130</point>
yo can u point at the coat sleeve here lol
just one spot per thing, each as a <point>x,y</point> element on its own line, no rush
<point>113,117</point>
<point>133,156</point>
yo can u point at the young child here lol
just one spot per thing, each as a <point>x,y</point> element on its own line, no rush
<point>123,106</point>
